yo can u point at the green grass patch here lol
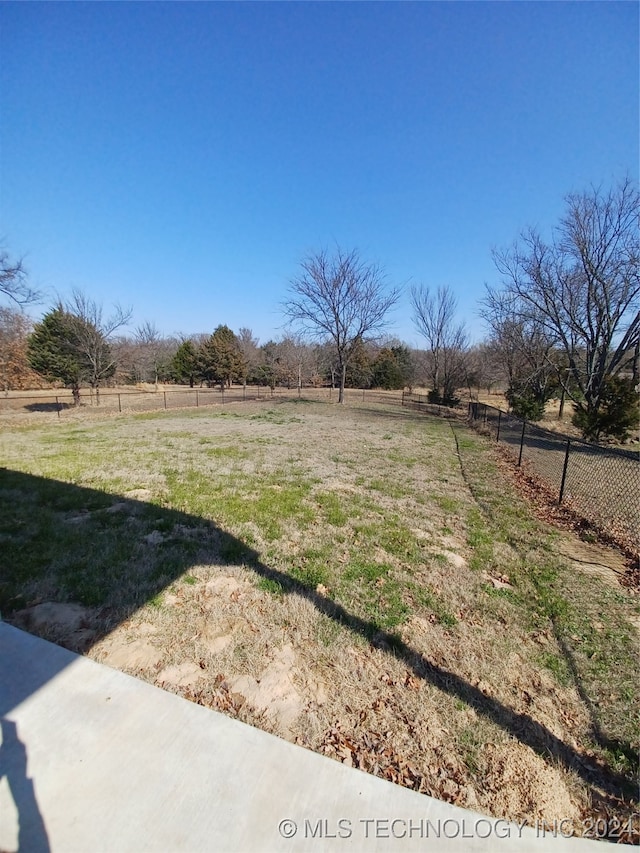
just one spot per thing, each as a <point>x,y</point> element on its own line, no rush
<point>268,501</point>
<point>333,508</point>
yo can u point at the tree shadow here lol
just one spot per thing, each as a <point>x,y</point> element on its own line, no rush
<point>49,406</point>
<point>597,733</point>
<point>406,413</point>
<point>116,554</point>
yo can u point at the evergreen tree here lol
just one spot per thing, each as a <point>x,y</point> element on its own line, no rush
<point>617,415</point>
<point>53,351</point>
<point>393,368</point>
<point>185,365</point>
<point>221,358</point>
<point>359,368</point>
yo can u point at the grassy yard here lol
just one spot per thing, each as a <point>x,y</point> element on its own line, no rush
<point>360,580</point>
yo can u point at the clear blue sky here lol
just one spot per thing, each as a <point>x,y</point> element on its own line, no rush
<point>182,157</point>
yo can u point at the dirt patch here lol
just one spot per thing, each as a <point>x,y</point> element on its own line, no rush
<point>129,655</point>
<point>274,693</point>
<point>184,675</point>
<point>138,494</point>
<point>455,559</point>
<point>215,637</point>
<point>606,563</point>
<point>225,586</point>
<point>68,624</point>
<point>522,784</point>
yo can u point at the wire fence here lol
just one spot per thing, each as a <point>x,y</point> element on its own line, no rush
<point>62,402</point>
<point>420,403</point>
<point>601,484</point>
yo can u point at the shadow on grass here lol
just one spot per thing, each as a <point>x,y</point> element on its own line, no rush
<point>49,407</point>
<point>599,736</point>
<point>102,550</point>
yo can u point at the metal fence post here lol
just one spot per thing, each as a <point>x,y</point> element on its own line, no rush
<point>58,406</point>
<point>499,418</point>
<point>564,471</point>
<point>524,426</point>
<point>119,403</point>
<point>197,399</point>
<point>165,398</point>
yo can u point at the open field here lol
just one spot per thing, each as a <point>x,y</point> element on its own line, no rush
<point>361,580</point>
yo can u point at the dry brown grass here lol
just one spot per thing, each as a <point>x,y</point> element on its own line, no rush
<point>378,604</point>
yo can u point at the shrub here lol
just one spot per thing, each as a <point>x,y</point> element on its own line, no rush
<point>616,415</point>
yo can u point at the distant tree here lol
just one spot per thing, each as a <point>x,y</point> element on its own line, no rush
<point>53,351</point>
<point>392,368</point>
<point>91,337</point>
<point>293,357</point>
<point>267,371</point>
<point>185,366</point>
<point>406,363</point>
<point>14,281</point>
<point>153,354</point>
<point>15,371</point>
<point>249,345</point>
<point>583,289</point>
<point>527,355</point>
<point>326,364</point>
<point>360,367</point>
<point>221,358</point>
<point>342,299</point>
<point>386,372</point>
<point>434,316</point>
<point>484,368</point>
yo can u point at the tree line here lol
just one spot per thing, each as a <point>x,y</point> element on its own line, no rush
<point>563,321</point>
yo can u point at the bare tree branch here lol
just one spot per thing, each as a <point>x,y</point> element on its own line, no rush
<point>340,298</point>
<point>92,334</point>
<point>434,316</point>
<point>13,282</point>
<point>583,288</point>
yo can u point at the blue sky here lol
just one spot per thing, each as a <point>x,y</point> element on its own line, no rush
<point>182,157</point>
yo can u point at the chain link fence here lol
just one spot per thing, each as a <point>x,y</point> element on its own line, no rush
<point>420,403</point>
<point>601,484</point>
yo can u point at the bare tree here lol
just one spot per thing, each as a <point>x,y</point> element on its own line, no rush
<point>484,368</point>
<point>295,361</point>
<point>434,316</point>
<point>525,350</point>
<point>150,347</point>
<point>340,298</point>
<point>14,283</point>
<point>250,351</point>
<point>91,337</point>
<point>582,288</point>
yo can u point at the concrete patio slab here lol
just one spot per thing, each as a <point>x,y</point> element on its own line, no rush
<point>95,760</point>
